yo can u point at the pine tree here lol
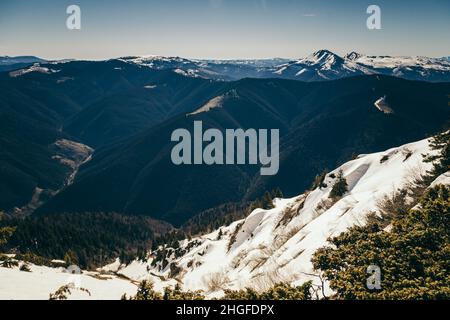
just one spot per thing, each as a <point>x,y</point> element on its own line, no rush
<point>276,193</point>
<point>220,234</point>
<point>71,257</point>
<point>340,187</point>
<point>146,292</point>
<point>267,202</point>
<point>5,234</point>
<point>441,160</point>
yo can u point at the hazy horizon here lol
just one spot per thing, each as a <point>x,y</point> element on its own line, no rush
<point>222,29</point>
<point>201,58</point>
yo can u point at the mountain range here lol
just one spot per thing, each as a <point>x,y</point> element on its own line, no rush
<point>86,173</point>
<point>13,63</point>
<point>321,65</point>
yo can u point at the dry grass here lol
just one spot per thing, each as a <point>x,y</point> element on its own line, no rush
<point>266,279</point>
<point>238,259</point>
<point>216,281</point>
<point>324,205</point>
<point>292,211</point>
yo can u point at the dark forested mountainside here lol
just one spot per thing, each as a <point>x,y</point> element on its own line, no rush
<point>322,124</point>
<point>89,102</point>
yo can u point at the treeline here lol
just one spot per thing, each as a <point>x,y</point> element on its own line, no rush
<point>214,218</point>
<point>88,240</point>
<point>280,291</point>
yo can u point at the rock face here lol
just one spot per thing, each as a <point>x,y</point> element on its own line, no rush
<point>383,106</point>
<point>72,154</point>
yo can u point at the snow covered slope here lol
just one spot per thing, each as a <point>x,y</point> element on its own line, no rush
<point>266,247</point>
<point>276,245</point>
<point>210,69</point>
<point>413,68</point>
<point>41,281</point>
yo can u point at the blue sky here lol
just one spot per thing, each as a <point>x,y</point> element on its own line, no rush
<point>223,29</point>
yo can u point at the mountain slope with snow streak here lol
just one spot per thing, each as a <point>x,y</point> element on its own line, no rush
<point>276,245</point>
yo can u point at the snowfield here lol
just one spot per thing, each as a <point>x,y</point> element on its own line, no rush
<point>41,281</point>
<point>276,245</point>
<point>267,247</point>
<point>34,68</point>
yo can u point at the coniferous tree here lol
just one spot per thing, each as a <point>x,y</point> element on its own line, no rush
<point>340,187</point>
<point>5,234</point>
<point>276,193</point>
<point>441,160</point>
<point>267,202</point>
<point>412,256</point>
<point>71,257</point>
<point>280,291</point>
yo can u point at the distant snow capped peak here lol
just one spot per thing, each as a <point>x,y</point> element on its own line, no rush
<point>321,65</point>
<point>326,65</point>
<point>322,57</point>
<point>318,66</point>
<point>323,52</point>
<point>7,60</point>
<point>150,59</point>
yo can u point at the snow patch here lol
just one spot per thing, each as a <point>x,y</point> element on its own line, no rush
<point>216,102</point>
<point>382,105</point>
<point>41,281</point>
<point>34,68</point>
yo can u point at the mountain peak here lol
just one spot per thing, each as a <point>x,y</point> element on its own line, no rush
<point>323,54</point>
<point>322,57</point>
